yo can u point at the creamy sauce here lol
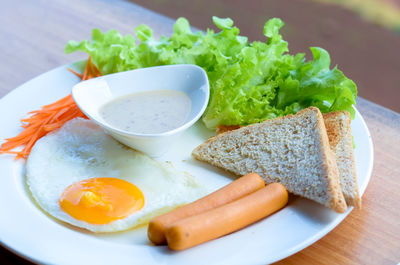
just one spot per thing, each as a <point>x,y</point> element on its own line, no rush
<point>155,111</point>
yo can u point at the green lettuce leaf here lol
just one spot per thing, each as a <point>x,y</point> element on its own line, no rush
<point>249,82</point>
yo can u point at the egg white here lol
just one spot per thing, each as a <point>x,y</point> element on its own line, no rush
<point>81,150</point>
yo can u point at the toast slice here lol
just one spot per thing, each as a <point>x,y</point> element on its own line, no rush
<point>293,150</point>
<point>338,127</point>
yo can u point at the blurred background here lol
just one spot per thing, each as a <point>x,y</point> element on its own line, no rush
<point>362,36</point>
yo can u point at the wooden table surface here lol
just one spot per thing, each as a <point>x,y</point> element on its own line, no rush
<point>32,39</point>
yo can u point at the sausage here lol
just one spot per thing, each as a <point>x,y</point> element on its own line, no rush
<point>226,219</point>
<point>233,191</point>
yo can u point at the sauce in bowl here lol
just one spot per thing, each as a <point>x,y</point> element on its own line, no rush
<point>148,112</point>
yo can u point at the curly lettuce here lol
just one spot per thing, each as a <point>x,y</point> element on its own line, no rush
<point>249,81</point>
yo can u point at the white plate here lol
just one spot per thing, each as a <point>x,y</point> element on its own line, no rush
<point>29,232</point>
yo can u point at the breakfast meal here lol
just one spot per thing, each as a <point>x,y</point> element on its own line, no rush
<point>283,124</point>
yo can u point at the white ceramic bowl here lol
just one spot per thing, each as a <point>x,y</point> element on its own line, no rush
<point>90,95</point>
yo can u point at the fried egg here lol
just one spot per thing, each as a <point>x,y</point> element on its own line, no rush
<point>82,176</point>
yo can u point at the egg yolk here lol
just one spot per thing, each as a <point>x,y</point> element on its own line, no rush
<point>101,200</point>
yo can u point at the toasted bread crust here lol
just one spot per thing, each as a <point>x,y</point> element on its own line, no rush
<point>338,203</point>
<point>338,126</point>
<point>326,186</point>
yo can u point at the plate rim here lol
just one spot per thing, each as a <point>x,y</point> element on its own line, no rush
<point>284,254</point>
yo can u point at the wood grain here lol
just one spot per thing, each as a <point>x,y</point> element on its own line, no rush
<point>33,35</point>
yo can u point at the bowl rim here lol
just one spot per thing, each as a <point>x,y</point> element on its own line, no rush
<point>148,135</point>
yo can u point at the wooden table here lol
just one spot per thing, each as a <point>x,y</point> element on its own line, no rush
<point>32,39</point>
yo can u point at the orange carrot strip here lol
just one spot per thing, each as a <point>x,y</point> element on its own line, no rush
<point>51,127</point>
<point>93,70</point>
<point>75,73</point>
<point>85,73</point>
<point>60,113</point>
<point>38,117</point>
<point>34,118</point>
<point>10,152</point>
<point>39,133</point>
<point>96,71</point>
<point>28,131</point>
<point>11,145</point>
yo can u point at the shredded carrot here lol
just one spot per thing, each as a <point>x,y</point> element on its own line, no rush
<point>75,73</point>
<point>49,118</point>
